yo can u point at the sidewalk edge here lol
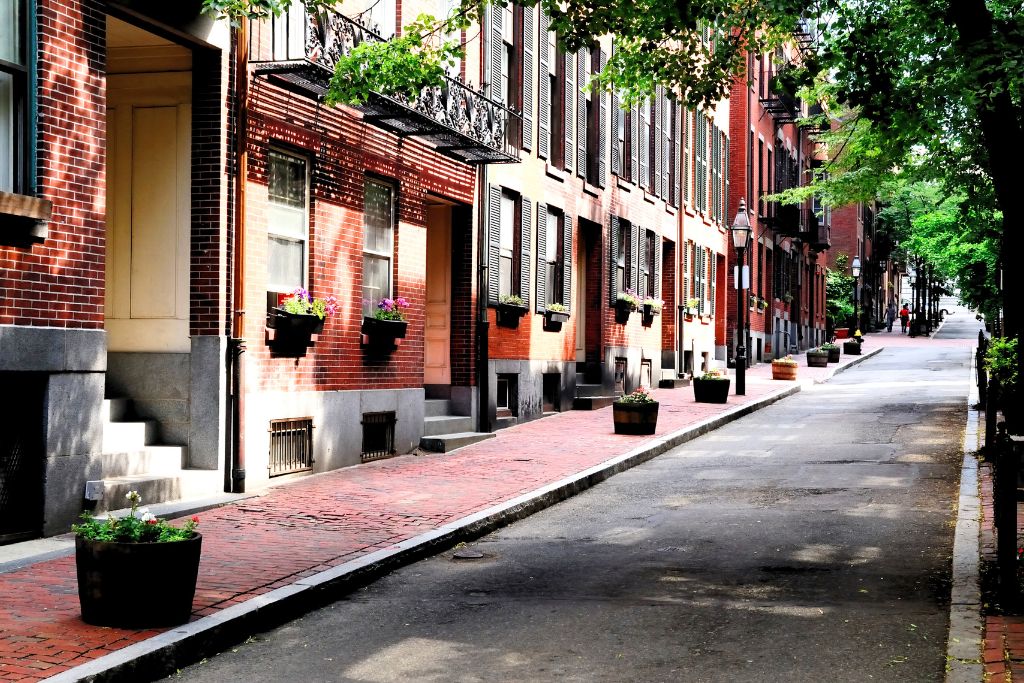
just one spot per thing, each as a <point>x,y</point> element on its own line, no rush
<point>162,654</point>
<point>966,625</point>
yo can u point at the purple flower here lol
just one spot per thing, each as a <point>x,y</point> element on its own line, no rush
<point>401,302</point>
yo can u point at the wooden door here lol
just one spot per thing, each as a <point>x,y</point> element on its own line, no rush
<point>580,304</point>
<point>437,329</point>
<point>149,128</point>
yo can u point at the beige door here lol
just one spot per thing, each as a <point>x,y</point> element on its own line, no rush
<point>580,305</point>
<point>149,122</point>
<point>437,333</point>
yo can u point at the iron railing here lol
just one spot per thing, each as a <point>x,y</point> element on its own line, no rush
<point>300,49</point>
<point>779,100</point>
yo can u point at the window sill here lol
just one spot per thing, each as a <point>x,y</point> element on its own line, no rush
<point>30,216</point>
<point>623,184</point>
<point>591,190</point>
<point>556,173</point>
<point>649,198</point>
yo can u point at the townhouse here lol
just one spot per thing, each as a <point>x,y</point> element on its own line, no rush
<point>771,153</point>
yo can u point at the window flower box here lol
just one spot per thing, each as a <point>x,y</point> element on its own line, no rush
<point>554,316</point>
<point>509,311</point>
<point>387,330</point>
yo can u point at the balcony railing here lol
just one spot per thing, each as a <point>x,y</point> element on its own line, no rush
<point>299,50</point>
<point>780,101</point>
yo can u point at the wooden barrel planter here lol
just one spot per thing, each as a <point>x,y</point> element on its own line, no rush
<point>833,355</point>
<point>635,418</point>
<point>137,585</point>
<point>784,371</point>
<point>711,390</point>
<point>817,359</point>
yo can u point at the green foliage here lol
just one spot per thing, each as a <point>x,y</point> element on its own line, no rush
<point>556,308</point>
<point>140,526</point>
<point>838,293</point>
<point>511,300</point>
<point>1001,363</point>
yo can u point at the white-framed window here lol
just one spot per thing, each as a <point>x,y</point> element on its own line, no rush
<point>13,97</point>
<point>287,220</point>
<point>554,256</point>
<point>381,17</point>
<point>508,260</point>
<point>378,242</point>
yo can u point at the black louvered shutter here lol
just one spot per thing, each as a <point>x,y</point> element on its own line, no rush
<point>527,75</point>
<point>567,262</point>
<point>714,283</point>
<point>582,60</point>
<point>602,152</point>
<point>542,251</point>
<point>493,242</point>
<point>634,143</point>
<point>725,200</point>
<point>613,261</point>
<point>544,99</point>
<point>701,292</point>
<point>525,224</point>
<point>634,257</point>
<point>570,98</point>
<point>678,172</point>
<point>667,188</point>
<point>497,46</point>
<point>656,131</point>
<point>616,113</point>
<point>714,174</point>
<point>657,267</point>
<point>645,144</point>
<point>686,274</point>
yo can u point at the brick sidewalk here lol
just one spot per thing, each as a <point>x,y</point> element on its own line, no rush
<point>302,528</point>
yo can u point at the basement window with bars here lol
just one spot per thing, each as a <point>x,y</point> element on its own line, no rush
<point>291,445</point>
<point>378,435</point>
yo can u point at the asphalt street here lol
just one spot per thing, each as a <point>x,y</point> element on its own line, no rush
<point>809,541</point>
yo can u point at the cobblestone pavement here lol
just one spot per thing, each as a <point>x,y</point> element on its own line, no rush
<point>313,524</point>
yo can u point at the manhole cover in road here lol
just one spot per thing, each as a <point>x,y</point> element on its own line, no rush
<point>467,554</point>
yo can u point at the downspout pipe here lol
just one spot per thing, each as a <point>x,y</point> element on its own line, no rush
<point>236,343</point>
<point>482,325</point>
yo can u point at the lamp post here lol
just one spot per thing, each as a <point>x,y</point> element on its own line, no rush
<point>740,230</point>
<point>855,271</point>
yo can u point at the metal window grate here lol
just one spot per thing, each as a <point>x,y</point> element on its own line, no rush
<point>378,435</point>
<point>291,445</point>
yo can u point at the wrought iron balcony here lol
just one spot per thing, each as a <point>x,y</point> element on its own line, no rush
<point>299,50</point>
<point>780,101</point>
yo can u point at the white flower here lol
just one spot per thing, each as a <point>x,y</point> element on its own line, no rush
<point>134,497</point>
<point>147,516</point>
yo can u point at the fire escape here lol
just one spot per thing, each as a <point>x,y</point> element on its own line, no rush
<point>298,52</point>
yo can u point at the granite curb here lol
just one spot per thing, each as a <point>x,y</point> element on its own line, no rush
<point>163,654</point>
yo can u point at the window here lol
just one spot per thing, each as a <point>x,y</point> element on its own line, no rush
<point>381,17</point>
<point>593,114</point>
<point>287,221</point>
<point>378,242</point>
<point>13,98</point>
<point>554,257</point>
<point>512,67</point>
<point>622,258</point>
<point>559,85</point>
<point>508,256</point>
<point>626,141</point>
<point>647,266</point>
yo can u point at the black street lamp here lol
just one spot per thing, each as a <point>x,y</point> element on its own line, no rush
<point>855,271</point>
<point>740,230</point>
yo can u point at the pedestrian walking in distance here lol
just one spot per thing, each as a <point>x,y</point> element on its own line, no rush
<point>890,316</point>
<point>904,319</point>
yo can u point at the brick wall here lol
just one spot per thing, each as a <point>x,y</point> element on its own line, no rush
<point>61,282</point>
<point>343,150</point>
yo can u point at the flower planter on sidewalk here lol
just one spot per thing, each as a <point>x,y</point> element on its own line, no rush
<point>817,359</point>
<point>711,390</point>
<point>635,418</point>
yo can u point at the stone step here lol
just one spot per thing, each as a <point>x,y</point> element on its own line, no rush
<point>592,390</point>
<point>123,437</point>
<point>111,493</point>
<point>446,424</point>
<point>446,443</point>
<point>592,402</point>
<point>115,409</point>
<point>504,422</point>
<point>674,382</point>
<point>148,460</point>
<point>437,407</point>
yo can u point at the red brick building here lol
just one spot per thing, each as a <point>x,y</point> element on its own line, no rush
<point>770,153</point>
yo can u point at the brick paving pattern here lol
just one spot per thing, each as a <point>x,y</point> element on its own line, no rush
<point>299,529</point>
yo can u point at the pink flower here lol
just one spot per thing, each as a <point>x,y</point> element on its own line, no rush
<point>195,519</point>
<point>401,302</point>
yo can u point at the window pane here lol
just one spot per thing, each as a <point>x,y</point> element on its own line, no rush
<point>505,276</point>
<point>376,281</point>
<point>554,293</point>
<point>508,219</point>
<point>287,180</point>
<point>285,261</point>
<point>7,142</point>
<point>378,218</point>
<point>286,220</point>
<point>554,226</point>
<point>10,41</point>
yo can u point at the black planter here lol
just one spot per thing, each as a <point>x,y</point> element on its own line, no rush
<point>137,585</point>
<point>622,311</point>
<point>384,330</point>
<point>294,324</point>
<point>509,315</point>
<point>851,348</point>
<point>711,390</point>
<point>833,355</point>
<point>553,320</point>
<point>635,418</point>
<point>817,359</point>
<point>647,315</point>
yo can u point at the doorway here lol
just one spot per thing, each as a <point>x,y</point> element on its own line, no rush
<point>589,299</point>
<point>437,326</point>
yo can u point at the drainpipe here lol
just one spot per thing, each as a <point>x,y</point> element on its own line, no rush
<point>483,379</point>
<point>236,344</point>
